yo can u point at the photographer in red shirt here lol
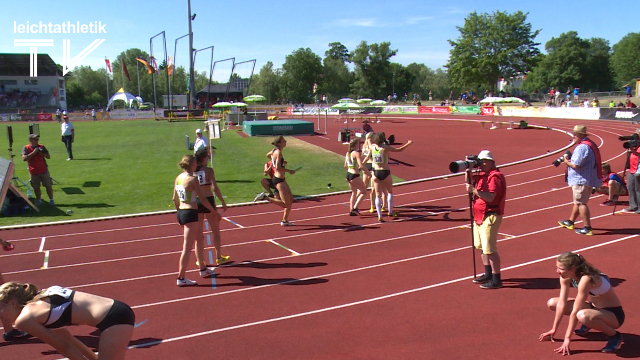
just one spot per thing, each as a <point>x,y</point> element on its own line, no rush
<point>34,154</point>
<point>489,190</point>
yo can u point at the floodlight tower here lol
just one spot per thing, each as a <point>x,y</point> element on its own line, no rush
<point>192,92</point>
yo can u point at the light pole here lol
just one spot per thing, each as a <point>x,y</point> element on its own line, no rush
<point>192,86</point>
<point>394,83</point>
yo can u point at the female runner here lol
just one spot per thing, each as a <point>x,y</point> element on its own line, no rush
<point>42,314</point>
<point>353,164</point>
<point>185,189</point>
<point>207,180</point>
<point>381,174</point>
<point>286,197</point>
<point>367,177</point>
<point>603,313</point>
<point>10,333</point>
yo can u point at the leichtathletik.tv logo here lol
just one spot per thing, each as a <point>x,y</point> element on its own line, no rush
<point>30,31</point>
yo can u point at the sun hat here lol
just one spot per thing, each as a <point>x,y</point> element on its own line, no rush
<point>34,136</point>
<point>198,131</point>
<point>485,155</point>
<point>580,129</point>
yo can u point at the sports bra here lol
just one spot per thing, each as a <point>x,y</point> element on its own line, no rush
<point>273,159</point>
<point>61,300</point>
<point>378,158</point>
<point>184,195</point>
<point>603,288</point>
<point>349,160</point>
<point>202,178</point>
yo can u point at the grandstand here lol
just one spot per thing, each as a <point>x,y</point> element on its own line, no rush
<point>19,91</point>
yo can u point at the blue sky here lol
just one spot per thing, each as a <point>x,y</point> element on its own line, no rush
<point>270,30</point>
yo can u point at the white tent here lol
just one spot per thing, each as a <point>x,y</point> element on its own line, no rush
<point>124,96</point>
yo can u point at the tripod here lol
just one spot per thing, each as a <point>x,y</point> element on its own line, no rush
<point>624,176</point>
<point>16,180</point>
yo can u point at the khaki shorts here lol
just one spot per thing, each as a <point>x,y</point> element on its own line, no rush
<point>581,194</point>
<point>485,236</point>
<point>44,178</point>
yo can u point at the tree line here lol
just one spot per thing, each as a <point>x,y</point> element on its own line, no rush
<point>490,47</point>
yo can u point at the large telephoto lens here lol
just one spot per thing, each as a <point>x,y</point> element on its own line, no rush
<point>459,165</point>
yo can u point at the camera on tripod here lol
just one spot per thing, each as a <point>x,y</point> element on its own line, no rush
<point>561,158</point>
<point>462,165</point>
<point>630,141</point>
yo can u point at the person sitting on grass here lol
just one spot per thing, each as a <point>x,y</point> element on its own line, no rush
<point>604,311</point>
<point>612,185</point>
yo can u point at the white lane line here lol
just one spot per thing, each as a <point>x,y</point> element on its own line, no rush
<point>45,265</point>
<point>364,301</point>
<point>284,247</point>
<point>41,244</point>
<point>233,222</point>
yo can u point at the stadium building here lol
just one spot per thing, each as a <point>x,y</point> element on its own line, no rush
<point>19,91</point>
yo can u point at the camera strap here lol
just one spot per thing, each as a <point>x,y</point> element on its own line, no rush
<point>596,152</point>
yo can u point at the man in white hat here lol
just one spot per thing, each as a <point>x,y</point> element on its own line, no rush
<point>584,174</point>
<point>201,143</point>
<point>489,190</point>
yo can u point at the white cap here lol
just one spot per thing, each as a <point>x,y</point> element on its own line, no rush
<point>198,131</point>
<point>485,155</point>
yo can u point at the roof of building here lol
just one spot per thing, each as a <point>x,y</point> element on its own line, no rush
<point>18,65</point>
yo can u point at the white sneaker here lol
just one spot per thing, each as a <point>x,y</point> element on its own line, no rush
<point>260,197</point>
<point>207,272</point>
<point>286,223</point>
<point>185,282</point>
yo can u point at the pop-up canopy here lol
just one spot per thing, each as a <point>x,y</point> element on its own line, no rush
<point>124,96</point>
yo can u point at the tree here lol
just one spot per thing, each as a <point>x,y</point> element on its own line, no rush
<point>302,70</point>
<point>625,62</point>
<point>572,62</point>
<point>336,78</point>
<point>490,47</point>
<point>337,51</point>
<point>426,79</point>
<point>373,76</point>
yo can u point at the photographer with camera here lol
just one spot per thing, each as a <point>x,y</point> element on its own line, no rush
<point>633,178</point>
<point>584,174</point>
<point>489,190</point>
<point>34,154</point>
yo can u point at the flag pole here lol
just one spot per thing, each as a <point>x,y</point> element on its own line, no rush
<point>138,71</point>
<point>106,68</point>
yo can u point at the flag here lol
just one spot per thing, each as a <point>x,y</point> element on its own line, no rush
<point>108,64</point>
<point>155,65</point>
<point>124,68</point>
<point>149,69</point>
<point>170,68</point>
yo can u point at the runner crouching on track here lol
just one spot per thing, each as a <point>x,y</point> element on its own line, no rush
<point>604,311</point>
<point>185,189</point>
<point>286,197</point>
<point>10,333</point>
<point>353,164</point>
<point>381,174</point>
<point>42,314</point>
<point>207,180</point>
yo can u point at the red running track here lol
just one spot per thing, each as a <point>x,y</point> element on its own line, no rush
<point>341,287</point>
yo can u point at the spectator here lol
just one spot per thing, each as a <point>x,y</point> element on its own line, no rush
<point>35,154</point>
<point>68,135</point>
<point>630,105</point>
<point>627,89</point>
<point>58,115</point>
<point>201,143</point>
<point>584,174</point>
<point>93,114</point>
<point>576,93</point>
<point>612,104</point>
<point>595,103</point>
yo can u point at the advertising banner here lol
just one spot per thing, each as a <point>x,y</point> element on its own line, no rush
<point>572,113</point>
<point>530,111</point>
<point>45,117</point>
<point>620,114</point>
<point>175,113</point>
<point>372,110</point>
<point>392,110</point>
<point>434,109</point>
<point>473,109</point>
<point>488,110</point>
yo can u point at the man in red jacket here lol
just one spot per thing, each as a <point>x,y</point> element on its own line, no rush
<point>35,154</point>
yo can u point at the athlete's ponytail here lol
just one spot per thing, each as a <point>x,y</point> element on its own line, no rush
<point>578,262</point>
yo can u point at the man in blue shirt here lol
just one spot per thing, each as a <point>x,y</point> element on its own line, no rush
<point>585,173</point>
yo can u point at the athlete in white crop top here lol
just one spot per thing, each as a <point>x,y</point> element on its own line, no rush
<point>602,312</point>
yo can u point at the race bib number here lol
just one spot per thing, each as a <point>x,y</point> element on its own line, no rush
<point>201,177</point>
<point>377,158</point>
<point>60,291</point>
<point>182,193</point>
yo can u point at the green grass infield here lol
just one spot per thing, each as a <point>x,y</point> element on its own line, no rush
<point>128,167</point>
